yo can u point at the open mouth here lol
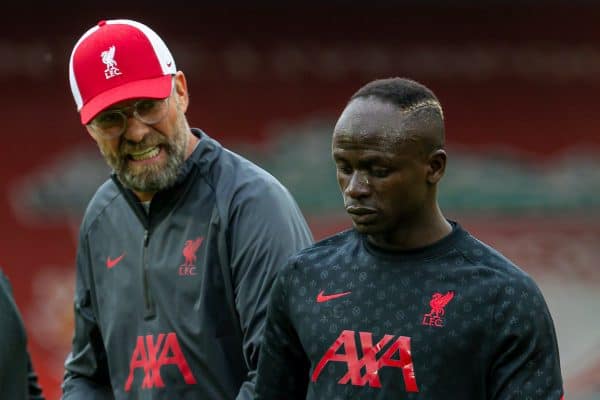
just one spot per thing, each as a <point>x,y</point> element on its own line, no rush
<point>146,154</point>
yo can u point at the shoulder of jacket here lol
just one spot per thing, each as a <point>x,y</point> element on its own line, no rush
<point>104,196</point>
<point>480,253</point>
<point>323,248</point>
<point>237,180</point>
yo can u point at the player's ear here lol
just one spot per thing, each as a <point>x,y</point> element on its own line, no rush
<point>91,132</point>
<point>180,91</point>
<point>436,166</point>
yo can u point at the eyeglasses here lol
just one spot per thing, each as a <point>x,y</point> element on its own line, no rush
<point>112,123</point>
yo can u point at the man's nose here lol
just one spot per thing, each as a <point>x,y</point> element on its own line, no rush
<point>135,131</point>
<point>358,185</point>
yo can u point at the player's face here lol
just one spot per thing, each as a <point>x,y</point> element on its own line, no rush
<point>382,177</point>
<point>147,158</point>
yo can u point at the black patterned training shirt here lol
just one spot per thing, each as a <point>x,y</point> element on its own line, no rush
<point>453,320</point>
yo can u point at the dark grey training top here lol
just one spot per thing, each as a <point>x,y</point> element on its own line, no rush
<point>18,380</point>
<point>171,304</point>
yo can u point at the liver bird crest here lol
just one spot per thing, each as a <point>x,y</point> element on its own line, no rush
<point>438,302</point>
<point>189,251</point>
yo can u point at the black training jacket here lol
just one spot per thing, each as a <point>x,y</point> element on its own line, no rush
<point>454,320</point>
<point>171,304</point>
<point>18,380</point>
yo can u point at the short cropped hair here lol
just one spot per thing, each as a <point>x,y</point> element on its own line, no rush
<point>423,107</point>
<point>406,94</point>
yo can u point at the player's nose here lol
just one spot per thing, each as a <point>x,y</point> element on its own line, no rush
<point>358,185</point>
<point>136,130</point>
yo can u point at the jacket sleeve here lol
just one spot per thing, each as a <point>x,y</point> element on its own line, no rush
<point>34,391</point>
<point>86,370</point>
<point>283,367</point>
<point>525,358</point>
<point>266,228</point>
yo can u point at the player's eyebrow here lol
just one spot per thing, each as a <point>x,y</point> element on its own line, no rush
<point>366,160</point>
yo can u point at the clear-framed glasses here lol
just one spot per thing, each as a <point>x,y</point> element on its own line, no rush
<point>113,122</point>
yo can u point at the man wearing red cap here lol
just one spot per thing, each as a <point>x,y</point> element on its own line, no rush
<point>178,250</point>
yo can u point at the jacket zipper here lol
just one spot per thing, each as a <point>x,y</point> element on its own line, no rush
<point>149,309</point>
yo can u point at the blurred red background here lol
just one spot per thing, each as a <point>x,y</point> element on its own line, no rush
<point>518,82</point>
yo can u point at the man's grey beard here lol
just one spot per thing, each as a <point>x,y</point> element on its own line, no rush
<point>152,178</point>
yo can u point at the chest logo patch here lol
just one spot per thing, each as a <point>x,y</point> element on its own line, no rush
<point>437,303</point>
<point>190,248</point>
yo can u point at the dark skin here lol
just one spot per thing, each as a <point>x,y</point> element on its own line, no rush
<point>388,165</point>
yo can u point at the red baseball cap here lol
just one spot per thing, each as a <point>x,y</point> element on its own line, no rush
<point>118,60</point>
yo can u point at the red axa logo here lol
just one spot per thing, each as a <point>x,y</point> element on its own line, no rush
<point>150,355</point>
<point>365,370</point>
<point>189,254</point>
<point>438,303</point>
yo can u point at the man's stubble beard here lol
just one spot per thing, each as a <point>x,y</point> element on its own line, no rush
<point>151,178</point>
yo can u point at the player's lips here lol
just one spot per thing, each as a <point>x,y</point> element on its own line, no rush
<point>149,154</point>
<point>145,154</point>
<point>361,214</point>
<point>360,210</point>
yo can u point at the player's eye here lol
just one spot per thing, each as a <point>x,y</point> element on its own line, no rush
<point>146,107</point>
<point>344,169</point>
<point>108,119</point>
<point>380,172</point>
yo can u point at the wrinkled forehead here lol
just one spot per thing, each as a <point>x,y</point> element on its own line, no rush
<point>371,121</point>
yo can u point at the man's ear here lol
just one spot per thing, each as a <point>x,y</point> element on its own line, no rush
<point>181,91</point>
<point>91,132</point>
<point>436,166</point>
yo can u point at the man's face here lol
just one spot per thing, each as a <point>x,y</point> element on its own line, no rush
<point>382,176</point>
<point>147,158</point>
